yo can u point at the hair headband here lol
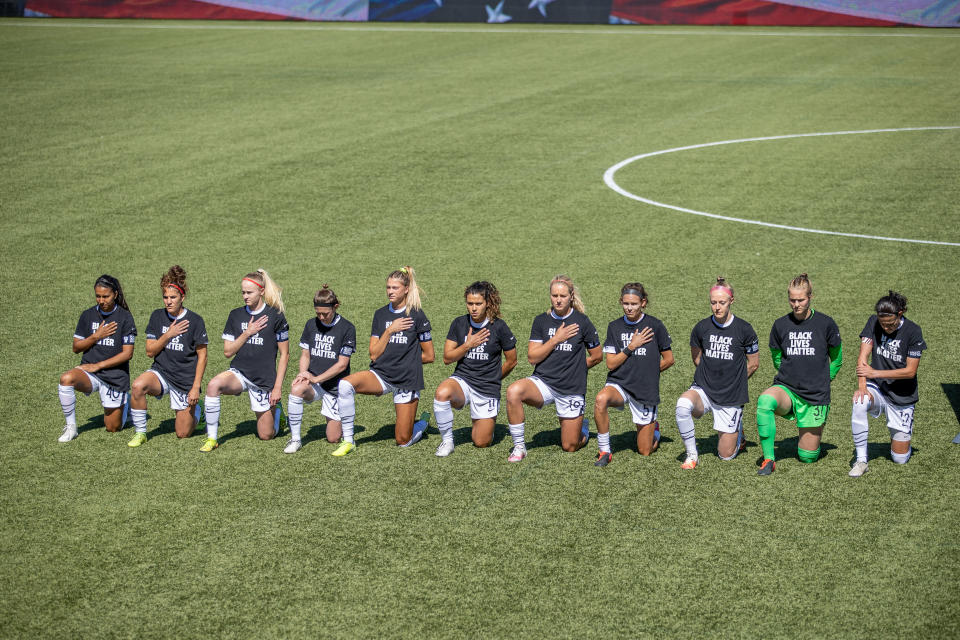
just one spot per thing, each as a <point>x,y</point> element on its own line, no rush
<point>254,282</point>
<point>177,287</point>
<point>722,287</point>
<point>632,292</point>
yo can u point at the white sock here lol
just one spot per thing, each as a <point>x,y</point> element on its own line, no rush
<point>603,441</point>
<point>345,403</point>
<point>211,406</point>
<point>444,415</point>
<point>516,432</point>
<point>68,402</point>
<point>901,458</point>
<point>860,427</point>
<point>294,415</point>
<point>139,417</point>
<point>686,427</point>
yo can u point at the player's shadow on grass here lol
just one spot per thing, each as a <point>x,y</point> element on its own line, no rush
<point>952,391</point>
<point>787,448</point>
<point>627,441</point>
<point>710,445</point>
<point>386,432</point>
<point>464,435</point>
<point>318,433</point>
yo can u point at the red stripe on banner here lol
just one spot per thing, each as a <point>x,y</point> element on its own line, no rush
<point>169,9</point>
<point>734,12</point>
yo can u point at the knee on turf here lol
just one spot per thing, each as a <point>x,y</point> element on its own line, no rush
<point>805,455</point>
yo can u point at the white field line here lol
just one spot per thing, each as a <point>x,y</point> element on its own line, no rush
<point>608,178</point>
<point>621,30</point>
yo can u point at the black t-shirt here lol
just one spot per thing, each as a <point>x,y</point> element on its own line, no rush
<point>640,374</point>
<point>177,362</point>
<point>400,363</point>
<point>257,357</point>
<point>891,352</point>
<point>805,363</point>
<point>564,369</point>
<point>481,366</point>
<point>326,343</point>
<point>722,372</point>
<point>117,377</point>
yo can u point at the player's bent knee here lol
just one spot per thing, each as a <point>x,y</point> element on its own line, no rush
<point>344,388</point>
<point>805,455</point>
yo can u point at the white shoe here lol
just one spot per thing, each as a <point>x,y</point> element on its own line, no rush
<point>445,449</point>
<point>292,446</point>
<point>519,453</point>
<point>69,433</point>
<point>859,468</point>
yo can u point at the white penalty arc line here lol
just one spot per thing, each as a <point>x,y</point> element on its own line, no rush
<point>609,180</point>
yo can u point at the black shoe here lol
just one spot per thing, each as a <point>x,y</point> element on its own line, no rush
<point>767,467</point>
<point>603,459</point>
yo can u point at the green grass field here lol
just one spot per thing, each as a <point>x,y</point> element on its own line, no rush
<point>335,154</point>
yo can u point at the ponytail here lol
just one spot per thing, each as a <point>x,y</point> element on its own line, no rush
<point>271,292</point>
<point>408,277</point>
<point>114,285</point>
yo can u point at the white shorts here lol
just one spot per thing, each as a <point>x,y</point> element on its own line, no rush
<point>400,396</point>
<point>642,413</point>
<point>328,402</point>
<point>725,419</point>
<point>259,396</point>
<point>567,406</point>
<point>178,399</point>
<point>481,407</point>
<point>110,398</point>
<point>899,418</point>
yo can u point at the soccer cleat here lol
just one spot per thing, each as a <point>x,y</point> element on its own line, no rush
<point>292,446</point>
<point>209,445</point>
<point>445,449</point>
<point>138,439</point>
<point>585,430</point>
<point>69,433</point>
<point>519,453</point>
<point>768,467</point>
<point>344,449</point>
<point>689,463</point>
<point>656,432</point>
<point>859,468</point>
<point>603,459</point>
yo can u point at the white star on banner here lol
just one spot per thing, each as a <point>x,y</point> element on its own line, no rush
<point>497,15</point>
<point>541,5</point>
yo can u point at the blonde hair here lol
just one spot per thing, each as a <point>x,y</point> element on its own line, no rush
<point>408,277</point>
<point>271,292</point>
<point>575,300</point>
<point>801,282</point>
